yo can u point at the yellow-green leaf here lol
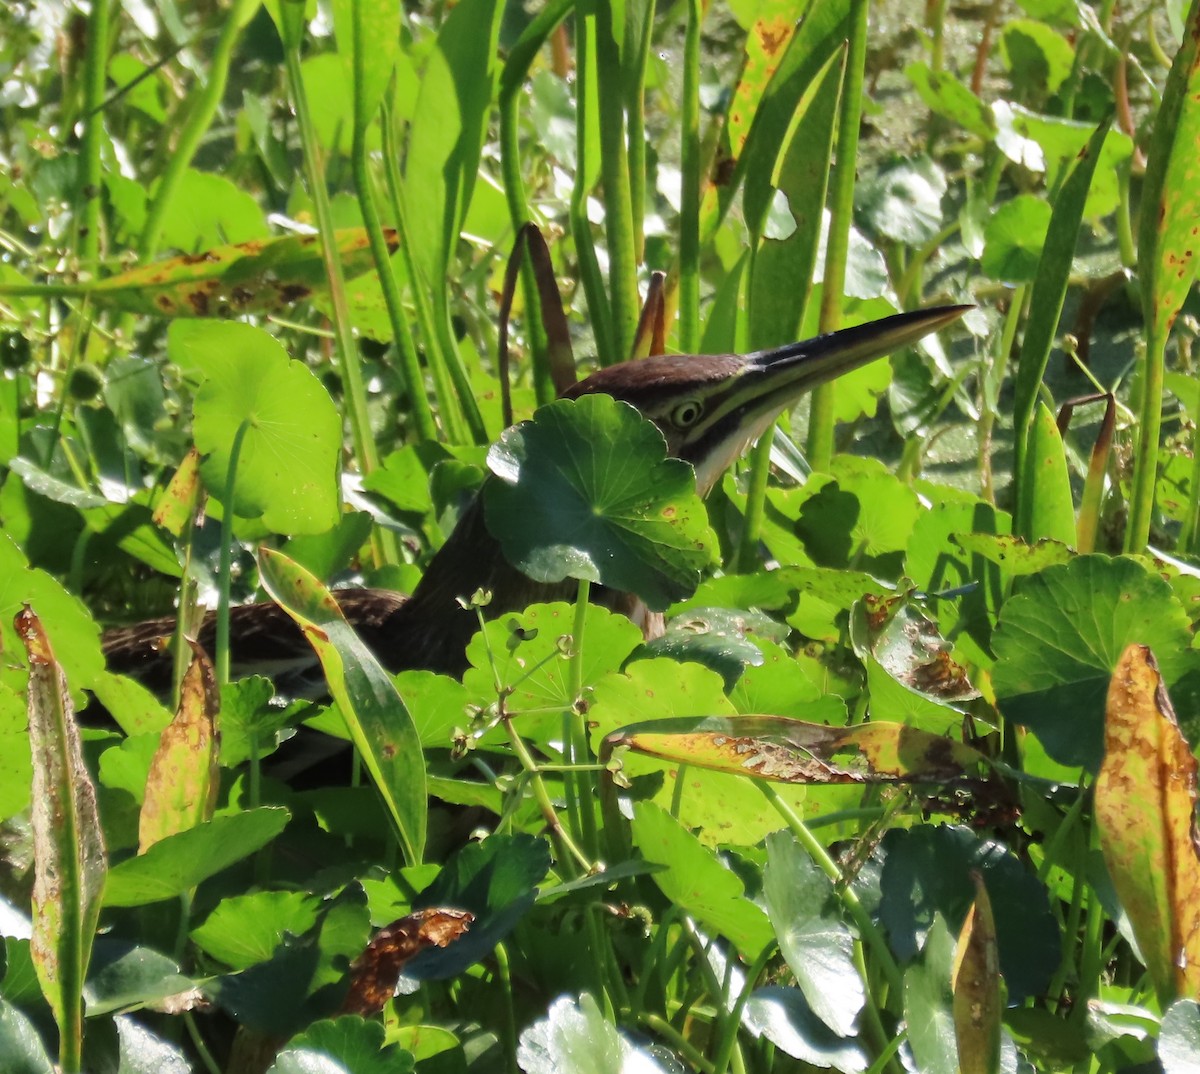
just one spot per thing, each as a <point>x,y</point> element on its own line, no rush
<point>975,979</point>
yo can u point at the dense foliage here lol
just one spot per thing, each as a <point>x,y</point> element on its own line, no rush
<point>901,785</point>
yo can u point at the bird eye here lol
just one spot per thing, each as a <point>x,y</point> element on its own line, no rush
<point>687,413</point>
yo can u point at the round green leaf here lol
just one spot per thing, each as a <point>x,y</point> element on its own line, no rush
<point>584,490</point>
<point>575,1038</point>
<point>345,1045</point>
<point>1059,640</point>
<point>903,199</point>
<point>287,465</point>
<point>1013,239</point>
<point>1179,1042</point>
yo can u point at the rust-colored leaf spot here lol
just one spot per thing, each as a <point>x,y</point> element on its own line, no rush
<point>179,501</point>
<point>1146,813</point>
<point>374,974</point>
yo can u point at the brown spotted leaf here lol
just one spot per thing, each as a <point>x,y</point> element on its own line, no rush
<point>262,276</point>
<point>1169,230</point>
<point>794,751</point>
<point>1145,810</point>
<point>374,974</point>
<point>178,503</point>
<point>68,846</point>
<point>181,788</point>
<point>975,979</point>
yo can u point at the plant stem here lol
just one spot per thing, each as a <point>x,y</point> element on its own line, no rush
<point>820,422</point>
<point>689,212</point>
<point>383,542</point>
<point>203,107</point>
<point>226,556</point>
<point>91,172</point>
<point>618,202</point>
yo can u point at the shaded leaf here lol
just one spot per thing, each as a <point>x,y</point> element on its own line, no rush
<point>179,862</point>
<point>1060,637</point>
<point>816,943</point>
<point>783,1016</point>
<point>928,1004</point>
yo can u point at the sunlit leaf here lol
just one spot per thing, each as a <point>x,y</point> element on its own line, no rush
<point>575,1038</point>
<point>584,490</point>
<point>270,412</point>
<point>379,724</point>
<point>1146,797</point>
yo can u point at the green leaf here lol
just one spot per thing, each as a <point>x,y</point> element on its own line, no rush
<point>1179,1040</point>
<point>306,976</point>
<point>497,881</point>
<point>180,862</point>
<point>368,37</point>
<point>1045,510</point>
<point>816,943</point>
<point>125,976</point>
<point>697,882</point>
<point>209,210</point>
<point>345,1045</point>
<point>902,200</point>
<point>245,929</point>
<point>928,1004</point>
<point>783,1016</point>
<point>575,1038</point>
<point>16,768</point>
<point>1046,299</point>
<point>1170,205</point>
<point>1013,239</point>
<point>1060,638</point>
<point>20,1043</point>
<point>927,874</point>
<point>288,461</point>
<point>380,726</point>
<point>945,94</point>
<point>1036,56</point>
<point>585,490</point>
<point>448,129</point>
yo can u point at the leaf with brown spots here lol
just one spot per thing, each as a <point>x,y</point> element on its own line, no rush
<point>1169,229</point>
<point>178,503</point>
<point>261,276</point>
<point>975,979</point>
<point>784,750</point>
<point>181,788</point>
<point>68,846</point>
<point>1146,813</point>
<point>373,975</point>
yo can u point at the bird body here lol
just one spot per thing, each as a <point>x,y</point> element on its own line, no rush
<point>709,408</point>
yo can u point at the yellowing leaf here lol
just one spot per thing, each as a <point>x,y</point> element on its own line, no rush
<point>975,980</point>
<point>1145,809</point>
<point>182,785</point>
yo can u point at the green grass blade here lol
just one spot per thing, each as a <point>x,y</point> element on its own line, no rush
<point>1046,300</point>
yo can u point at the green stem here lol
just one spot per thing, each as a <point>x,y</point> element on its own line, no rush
<point>756,502</point>
<point>418,288</point>
<point>820,424</point>
<point>599,311</point>
<point>207,99</point>
<point>509,1029</point>
<point>689,211</point>
<point>409,364</point>
<point>345,350</point>
<point>512,82</point>
<point>636,108</point>
<point>870,935</point>
<point>618,202</point>
<point>91,171</point>
<point>1145,467</point>
<point>226,554</point>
